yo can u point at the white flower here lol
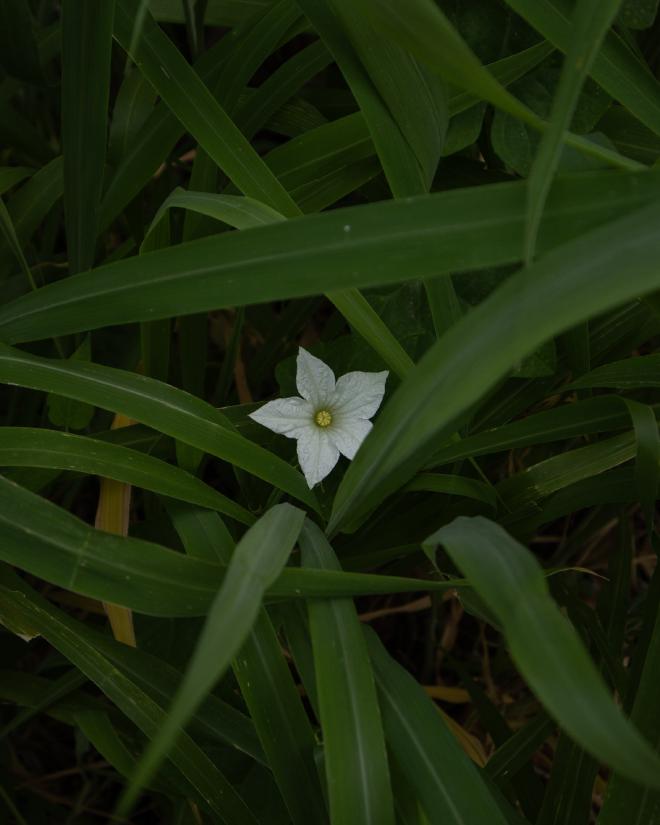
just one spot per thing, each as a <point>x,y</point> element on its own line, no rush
<point>332,417</point>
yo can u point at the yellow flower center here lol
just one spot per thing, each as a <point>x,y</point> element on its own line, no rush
<point>323,418</point>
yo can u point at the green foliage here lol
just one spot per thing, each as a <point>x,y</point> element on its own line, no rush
<point>463,194</point>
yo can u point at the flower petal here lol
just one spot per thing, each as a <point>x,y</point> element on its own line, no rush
<point>358,394</point>
<point>317,455</point>
<point>348,434</point>
<point>314,379</point>
<point>288,416</point>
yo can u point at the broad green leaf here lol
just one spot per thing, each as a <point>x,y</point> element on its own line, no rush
<point>47,541</point>
<point>86,51</point>
<point>545,647</point>
<point>589,23</point>
<point>545,299</point>
<point>21,610</point>
<point>422,26</point>
<point>159,405</point>
<point>416,238</point>
<point>255,564</point>
<point>443,778</point>
<point>31,447</point>
<point>355,757</point>
<point>246,213</point>
<point>616,68</point>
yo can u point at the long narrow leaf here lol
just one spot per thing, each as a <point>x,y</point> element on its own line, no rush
<point>545,647</point>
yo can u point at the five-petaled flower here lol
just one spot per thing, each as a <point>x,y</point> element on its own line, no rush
<point>332,417</point>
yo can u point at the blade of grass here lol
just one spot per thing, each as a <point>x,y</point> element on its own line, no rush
<point>590,23</point>
<point>545,646</point>
<point>356,766</point>
<point>445,781</point>
<point>267,686</point>
<point>255,564</point>
<point>626,800</point>
<point>166,408</point>
<point>431,234</point>
<point>616,68</point>
<point>32,447</point>
<point>185,93</point>
<point>86,51</point>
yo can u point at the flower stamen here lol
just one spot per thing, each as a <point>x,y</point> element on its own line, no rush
<point>323,418</point>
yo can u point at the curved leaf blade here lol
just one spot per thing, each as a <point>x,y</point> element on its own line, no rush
<point>545,646</point>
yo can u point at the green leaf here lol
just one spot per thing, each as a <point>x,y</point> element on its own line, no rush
<point>452,485</point>
<point>617,69</point>
<point>423,26</point>
<point>43,539</point>
<point>356,766</point>
<point>86,51</point>
<point>415,99</point>
<point>185,93</point>
<point>443,778</point>
<point>11,175</point>
<point>159,405</point>
<point>255,564</point>
<point>629,374</point>
<point>267,686</point>
<point>545,646</point>
<point>9,232</point>
<point>589,23</point>
<point>64,412</point>
<point>626,800</point>
<point>545,299</point>
<point>28,447</point>
<point>30,205</point>
<point>21,609</point>
<point>135,102</point>
<point>529,486</point>
<point>417,238</point>
<point>638,14</point>
<point>593,415</point>
<point>402,169</point>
